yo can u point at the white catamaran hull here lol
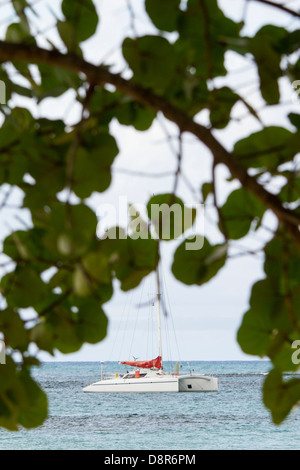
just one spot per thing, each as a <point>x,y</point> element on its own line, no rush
<point>169,383</point>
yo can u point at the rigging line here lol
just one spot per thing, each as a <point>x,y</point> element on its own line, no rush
<point>137,315</point>
<point>148,332</point>
<point>169,340</point>
<point>125,328</point>
<point>153,306</point>
<point>171,316</point>
<point>148,328</point>
<point>154,330</point>
<point>116,334</point>
<point>152,314</point>
<point>167,334</point>
<point>121,320</point>
<point>124,321</point>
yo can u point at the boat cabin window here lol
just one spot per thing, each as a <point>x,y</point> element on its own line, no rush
<point>132,376</point>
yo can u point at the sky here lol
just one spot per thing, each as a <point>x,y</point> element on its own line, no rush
<point>204,318</point>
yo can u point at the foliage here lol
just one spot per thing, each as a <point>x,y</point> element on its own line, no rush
<point>57,266</point>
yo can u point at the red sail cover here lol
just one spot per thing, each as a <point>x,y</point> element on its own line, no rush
<point>145,364</point>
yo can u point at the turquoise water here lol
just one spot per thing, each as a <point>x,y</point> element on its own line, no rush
<point>233,418</point>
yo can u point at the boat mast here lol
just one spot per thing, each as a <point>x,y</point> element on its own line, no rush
<point>158,315</point>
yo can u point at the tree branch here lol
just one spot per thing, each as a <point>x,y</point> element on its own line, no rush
<point>280,7</point>
<point>10,52</point>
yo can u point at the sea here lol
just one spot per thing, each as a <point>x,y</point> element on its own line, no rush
<point>234,418</point>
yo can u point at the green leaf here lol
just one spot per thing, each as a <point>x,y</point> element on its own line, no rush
<point>93,276</point>
<point>290,192</point>
<point>279,395</point>
<point>32,401</point>
<point>254,334</point>
<point>70,323</point>
<point>13,168</point>
<point>288,42</point>
<point>55,82</point>
<point>82,285</point>
<point>139,260</point>
<point>22,402</point>
<point>131,259</point>
<point>92,166</point>
<point>266,149</point>
<point>266,328</point>
<point>272,322</point>
<point>295,119</point>
<point>169,216</point>
<point>22,120</point>
<point>14,329</point>
<point>23,288</point>
<point>63,325</point>
<point>92,321</point>
<point>240,212</point>
<point>28,245</point>
<point>71,230</point>
<point>260,323</point>
<point>257,336</point>
<point>138,227</point>
<point>19,32</point>
<point>281,354</point>
<point>268,60</point>
<point>187,90</point>
<point>223,100</point>
<point>8,136</point>
<point>282,262</point>
<point>68,326</point>
<point>131,113</point>
<point>206,30</point>
<point>164,15</point>
<point>82,16</point>
<point>22,145</point>
<point>7,376</point>
<point>43,335</point>
<point>152,60</point>
<point>198,266</point>
<point>67,33</point>
<point>206,190</point>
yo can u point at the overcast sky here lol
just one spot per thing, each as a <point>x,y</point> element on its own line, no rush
<point>205,318</point>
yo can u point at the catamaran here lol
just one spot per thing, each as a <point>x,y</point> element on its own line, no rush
<point>149,376</point>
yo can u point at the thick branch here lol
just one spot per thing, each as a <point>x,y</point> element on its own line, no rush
<point>97,74</point>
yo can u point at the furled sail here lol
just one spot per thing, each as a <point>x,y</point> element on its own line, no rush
<point>145,364</point>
